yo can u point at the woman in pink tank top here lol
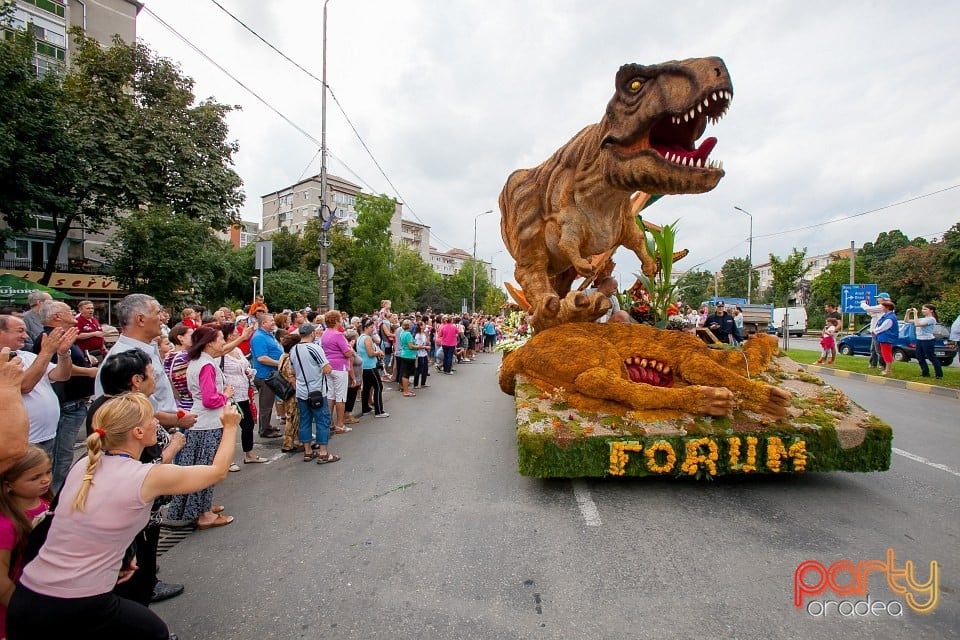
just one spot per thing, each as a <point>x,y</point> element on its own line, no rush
<point>67,589</point>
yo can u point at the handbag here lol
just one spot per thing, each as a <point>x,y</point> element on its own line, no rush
<point>315,399</point>
<point>280,386</point>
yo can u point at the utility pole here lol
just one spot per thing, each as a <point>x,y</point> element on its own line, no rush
<point>324,272</point>
<point>473,296</point>
<point>749,255</point>
<point>853,257</point>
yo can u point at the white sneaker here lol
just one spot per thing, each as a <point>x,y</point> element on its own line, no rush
<point>234,467</point>
<point>382,415</point>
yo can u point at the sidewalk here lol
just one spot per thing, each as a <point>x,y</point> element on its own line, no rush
<point>919,387</point>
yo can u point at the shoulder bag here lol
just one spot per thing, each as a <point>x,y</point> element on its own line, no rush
<point>315,399</point>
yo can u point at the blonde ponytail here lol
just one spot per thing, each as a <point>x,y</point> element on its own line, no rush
<point>94,453</point>
<point>111,424</point>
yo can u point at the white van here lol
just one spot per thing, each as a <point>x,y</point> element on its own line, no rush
<point>797,317</point>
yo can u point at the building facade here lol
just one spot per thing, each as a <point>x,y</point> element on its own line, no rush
<point>78,265</point>
<point>816,263</point>
<point>447,263</point>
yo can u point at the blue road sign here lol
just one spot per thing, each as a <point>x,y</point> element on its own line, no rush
<point>851,295</point>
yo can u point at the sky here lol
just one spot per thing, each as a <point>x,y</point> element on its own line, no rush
<point>839,108</point>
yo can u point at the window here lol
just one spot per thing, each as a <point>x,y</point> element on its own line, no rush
<point>56,8</point>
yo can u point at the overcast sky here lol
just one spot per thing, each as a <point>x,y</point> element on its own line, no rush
<point>839,107</point>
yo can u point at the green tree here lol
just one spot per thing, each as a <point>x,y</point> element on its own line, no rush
<point>136,139</point>
<point>872,254</point>
<point>734,283</point>
<point>287,249</point>
<point>285,289</point>
<point>373,253</point>
<point>37,154</point>
<point>163,254</point>
<point>913,276</point>
<point>459,286</point>
<point>694,287</point>
<point>416,276</point>
<point>786,274</point>
<point>433,296</point>
<point>495,298</point>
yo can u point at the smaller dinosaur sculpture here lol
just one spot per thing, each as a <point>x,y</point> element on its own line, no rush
<point>615,367</point>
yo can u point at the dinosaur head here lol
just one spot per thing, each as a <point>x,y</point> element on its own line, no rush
<point>648,137</point>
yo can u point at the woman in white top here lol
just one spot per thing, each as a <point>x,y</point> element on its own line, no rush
<point>925,339</point>
<point>66,591</point>
<point>238,373</point>
<point>210,394</point>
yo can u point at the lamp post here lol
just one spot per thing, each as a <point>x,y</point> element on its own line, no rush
<point>254,298</point>
<point>749,255</point>
<point>473,289</point>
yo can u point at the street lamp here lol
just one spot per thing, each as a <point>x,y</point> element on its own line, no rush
<point>473,294</point>
<point>749,256</point>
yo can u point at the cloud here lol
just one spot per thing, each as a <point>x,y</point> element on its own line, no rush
<point>838,108</point>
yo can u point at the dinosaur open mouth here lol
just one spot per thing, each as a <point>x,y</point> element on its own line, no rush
<point>675,135</point>
<point>649,371</point>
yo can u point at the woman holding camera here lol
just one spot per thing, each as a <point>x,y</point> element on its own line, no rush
<point>210,393</point>
<point>925,338</point>
<point>67,590</point>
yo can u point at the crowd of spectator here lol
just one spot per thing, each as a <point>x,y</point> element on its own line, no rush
<point>157,413</point>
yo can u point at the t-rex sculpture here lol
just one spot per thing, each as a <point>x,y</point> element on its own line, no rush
<point>576,205</point>
<point>616,367</point>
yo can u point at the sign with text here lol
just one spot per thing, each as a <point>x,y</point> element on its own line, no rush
<point>851,295</point>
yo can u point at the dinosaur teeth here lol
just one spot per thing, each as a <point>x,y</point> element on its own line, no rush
<point>659,366</point>
<point>666,369</point>
<point>699,108</point>
<point>714,96</point>
<point>643,363</point>
<point>706,102</point>
<point>692,114</point>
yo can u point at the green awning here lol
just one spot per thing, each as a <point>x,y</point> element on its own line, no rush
<point>14,290</point>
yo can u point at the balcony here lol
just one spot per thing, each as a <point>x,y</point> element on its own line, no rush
<point>74,265</point>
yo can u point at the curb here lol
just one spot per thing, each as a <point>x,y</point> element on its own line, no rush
<point>918,387</point>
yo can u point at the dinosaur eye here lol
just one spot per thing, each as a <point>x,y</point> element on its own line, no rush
<point>635,84</point>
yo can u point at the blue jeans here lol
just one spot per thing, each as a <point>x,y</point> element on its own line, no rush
<point>73,414</point>
<point>925,352</point>
<point>314,415</point>
<point>448,358</point>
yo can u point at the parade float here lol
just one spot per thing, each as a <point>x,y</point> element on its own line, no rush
<point>598,399</point>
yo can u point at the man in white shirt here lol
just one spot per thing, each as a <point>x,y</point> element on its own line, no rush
<point>608,287</point>
<point>39,398</point>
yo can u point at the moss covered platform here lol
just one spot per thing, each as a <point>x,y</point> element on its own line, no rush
<point>825,431</point>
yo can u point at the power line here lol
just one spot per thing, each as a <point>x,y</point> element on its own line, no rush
<point>857,215</point>
<point>342,111</point>
<point>231,76</point>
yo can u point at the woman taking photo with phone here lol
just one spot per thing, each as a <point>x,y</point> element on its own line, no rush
<point>67,590</point>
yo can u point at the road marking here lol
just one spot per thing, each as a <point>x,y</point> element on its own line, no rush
<point>587,507</point>
<point>916,458</point>
<point>275,457</point>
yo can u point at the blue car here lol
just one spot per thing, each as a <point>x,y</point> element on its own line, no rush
<point>905,348</point>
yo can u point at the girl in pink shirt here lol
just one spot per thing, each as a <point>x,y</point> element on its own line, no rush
<point>24,496</point>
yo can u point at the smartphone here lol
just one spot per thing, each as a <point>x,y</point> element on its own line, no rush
<point>251,321</point>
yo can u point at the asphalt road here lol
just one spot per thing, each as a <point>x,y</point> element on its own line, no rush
<point>425,530</point>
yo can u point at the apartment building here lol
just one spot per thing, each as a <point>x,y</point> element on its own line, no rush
<point>293,206</point>
<point>242,234</point>
<point>447,263</point>
<point>26,254</point>
<point>816,263</point>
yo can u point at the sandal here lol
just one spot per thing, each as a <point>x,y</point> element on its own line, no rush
<point>330,457</point>
<point>341,430</point>
<point>218,509</point>
<point>257,460</point>
<point>409,394</point>
<point>221,521</point>
<point>307,457</point>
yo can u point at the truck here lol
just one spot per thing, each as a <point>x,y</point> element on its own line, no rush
<point>796,317</point>
<point>757,318</point>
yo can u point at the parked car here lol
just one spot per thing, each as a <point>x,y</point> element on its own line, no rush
<point>905,348</point>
